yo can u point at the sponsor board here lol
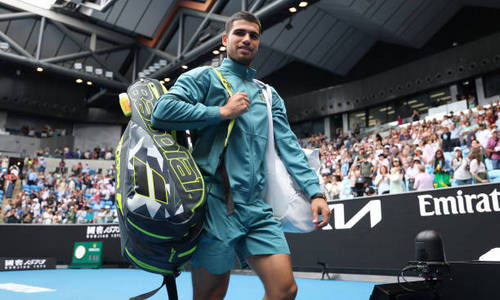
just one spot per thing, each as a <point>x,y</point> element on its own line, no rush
<point>377,234</point>
<point>102,231</point>
<point>14,264</point>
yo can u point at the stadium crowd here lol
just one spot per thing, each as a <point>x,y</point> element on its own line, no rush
<point>457,149</point>
<point>78,197</point>
<point>66,153</point>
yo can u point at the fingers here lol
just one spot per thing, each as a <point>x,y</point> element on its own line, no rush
<point>236,105</point>
<point>323,209</point>
<point>315,216</point>
<point>325,213</point>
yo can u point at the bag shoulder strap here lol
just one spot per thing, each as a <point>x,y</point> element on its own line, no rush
<point>226,85</point>
<point>266,89</point>
<point>168,282</point>
<point>226,185</point>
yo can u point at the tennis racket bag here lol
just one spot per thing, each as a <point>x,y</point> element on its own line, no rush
<point>160,191</point>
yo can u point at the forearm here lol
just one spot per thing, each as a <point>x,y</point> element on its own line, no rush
<point>170,113</point>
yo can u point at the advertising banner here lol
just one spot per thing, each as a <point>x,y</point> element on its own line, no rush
<point>30,240</point>
<point>377,234</point>
<point>17,263</point>
<point>87,255</point>
<point>374,235</point>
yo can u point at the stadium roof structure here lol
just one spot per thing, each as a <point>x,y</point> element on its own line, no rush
<point>111,43</point>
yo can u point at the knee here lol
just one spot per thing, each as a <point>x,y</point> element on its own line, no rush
<point>292,292</point>
<point>288,292</point>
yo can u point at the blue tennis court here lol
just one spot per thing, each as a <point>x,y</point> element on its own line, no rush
<point>125,283</point>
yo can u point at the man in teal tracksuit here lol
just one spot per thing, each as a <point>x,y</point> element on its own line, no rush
<point>198,101</point>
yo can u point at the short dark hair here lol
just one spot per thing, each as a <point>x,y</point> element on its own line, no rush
<point>242,15</point>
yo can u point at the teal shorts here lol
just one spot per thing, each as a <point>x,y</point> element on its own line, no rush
<point>250,230</point>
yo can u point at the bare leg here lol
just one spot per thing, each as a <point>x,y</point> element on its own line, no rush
<point>275,271</point>
<point>208,286</point>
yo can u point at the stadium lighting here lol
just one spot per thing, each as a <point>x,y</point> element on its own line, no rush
<point>216,52</point>
<point>45,4</point>
<point>78,80</point>
<point>303,4</point>
<point>292,9</point>
<point>89,82</point>
<point>108,74</point>
<point>98,71</point>
<point>167,79</point>
<point>222,48</point>
<point>77,66</point>
<point>4,46</point>
<point>184,67</point>
<point>39,69</point>
<point>89,69</point>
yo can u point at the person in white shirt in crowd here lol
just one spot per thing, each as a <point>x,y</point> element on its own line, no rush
<point>411,172</point>
<point>382,180</point>
<point>382,160</point>
<point>429,151</point>
<point>483,134</point>
<point>477,167</point>
<point>80,215</point>
<point>454,135</point>
<point>108,216</point>
<point>336,188</point>
<point>446,122</point>
<point>397,184</point>
<point>460,166</point>
<point>423,180</point>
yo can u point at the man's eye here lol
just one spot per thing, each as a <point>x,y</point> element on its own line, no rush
<point>239,33</point>
<point>254,35</point>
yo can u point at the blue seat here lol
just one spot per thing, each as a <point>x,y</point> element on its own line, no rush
<point>488,163</point>
<point>494,175</point>
<point>25,188</point>
<point>448,156</point>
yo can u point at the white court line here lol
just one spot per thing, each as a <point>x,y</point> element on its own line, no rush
<point>23,288</point>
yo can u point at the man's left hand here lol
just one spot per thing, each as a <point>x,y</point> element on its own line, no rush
<point>319,206</point>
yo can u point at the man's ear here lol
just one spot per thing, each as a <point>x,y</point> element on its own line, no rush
<point>224,39</point>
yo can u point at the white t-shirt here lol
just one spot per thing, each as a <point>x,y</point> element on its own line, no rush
<point>477,167</point>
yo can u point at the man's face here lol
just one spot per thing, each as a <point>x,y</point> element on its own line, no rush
<point>242,42</point>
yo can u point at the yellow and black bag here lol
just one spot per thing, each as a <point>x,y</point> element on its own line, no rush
<point>160,191</point>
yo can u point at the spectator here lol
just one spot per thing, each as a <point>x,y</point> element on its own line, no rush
<point>415,116</point>
<point>32,177</point>
<point>366,169</point>
<point>62,164</point>
<point>477,167</point>
<point>382,180</point>
<point>423,180</point>
<point>460,166</point>
<point>441,170</point>
<point>411,172</point>
<point>483,134</point>
<point>493,149</point>
<point>396,178</point>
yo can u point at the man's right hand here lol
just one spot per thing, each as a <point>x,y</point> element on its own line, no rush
<point>237,105</point>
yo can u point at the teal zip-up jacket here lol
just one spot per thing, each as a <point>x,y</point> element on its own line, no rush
<point>193,103</point>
